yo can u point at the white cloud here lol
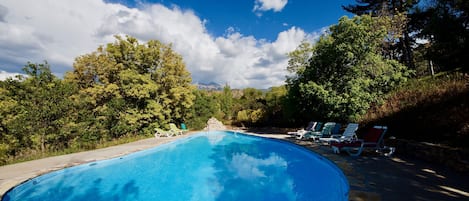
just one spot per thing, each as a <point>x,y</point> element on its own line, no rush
<point>5,75</point>
<point>59,31</point>
<point>265,5</point>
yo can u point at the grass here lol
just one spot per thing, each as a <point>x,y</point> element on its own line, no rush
<point>34,155</point>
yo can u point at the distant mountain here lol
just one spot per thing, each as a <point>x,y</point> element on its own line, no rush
<point>212,86</point>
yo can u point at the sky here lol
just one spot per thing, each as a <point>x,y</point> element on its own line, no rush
<point>242,43</point>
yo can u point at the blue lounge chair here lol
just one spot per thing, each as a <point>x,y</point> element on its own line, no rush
<point>347,135</point>
<point>325,130</point>
<point>184,127</point>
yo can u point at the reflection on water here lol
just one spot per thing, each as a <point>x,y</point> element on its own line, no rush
<point>248,167</point>
<point>215,137</point>
<point>251,170</point>
<point>264,172</point>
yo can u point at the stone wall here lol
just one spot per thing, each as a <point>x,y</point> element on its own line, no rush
<point>455,158</point>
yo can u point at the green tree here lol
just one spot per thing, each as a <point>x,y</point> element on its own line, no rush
<point>275,105</point>
<point>445,24</point>
<point>299,59</point>
<point>11,142</point>
<point>36,108</point>
<point>132,88</point>
<point>250,108</point>
<point>204,107</point>
<point>347,73</point>
<point>226,102</point>
<point>400,44</point>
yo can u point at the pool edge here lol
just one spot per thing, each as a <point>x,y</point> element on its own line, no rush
<point>28,170</point>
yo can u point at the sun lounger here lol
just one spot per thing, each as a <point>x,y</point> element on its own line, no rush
<point>162,133</point>
<point>175,129</point>
<point>347,135</point>
<point>372,140</point>
<point>311,127</point>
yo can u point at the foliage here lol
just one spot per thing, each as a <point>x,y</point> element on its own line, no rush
<point>133,87</point>
<point>346,73</point>
<point>122,91</point>
<point>226,102</point>
<point>430,109</point>
<point>33,110</point>
<point>205,107</point>
<point>445,24</point>
<point>276,104</point>
<point>248,107</point>
<point>400,45</point>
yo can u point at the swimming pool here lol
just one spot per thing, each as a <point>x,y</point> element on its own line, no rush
<point>218,165</point>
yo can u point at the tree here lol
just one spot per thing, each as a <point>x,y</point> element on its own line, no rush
<point>445,25</point>
<point>275,105</point>
<point>204,107</point>
<point>226,102</point>
<point>11,142</point>
<point>132,88</point>
<point>250,107</point>
<point>299,59</point>
<point>347,73</point>
<point>36,108</point>
<point>398,11</point>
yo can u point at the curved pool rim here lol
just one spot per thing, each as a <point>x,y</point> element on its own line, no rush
<point>135,154</point>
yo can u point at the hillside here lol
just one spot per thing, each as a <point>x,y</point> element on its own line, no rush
<point>431,109</point>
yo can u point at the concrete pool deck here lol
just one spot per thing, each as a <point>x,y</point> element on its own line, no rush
<point>371,177</point>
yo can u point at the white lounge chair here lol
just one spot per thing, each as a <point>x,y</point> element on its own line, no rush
<point>311,127</point>
<point>175,129</point>
<point>347,135</point>
<point>162,133</point>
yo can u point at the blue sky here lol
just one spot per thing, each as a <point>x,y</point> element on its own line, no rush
<point>242,43</point>
<point>310,15</point>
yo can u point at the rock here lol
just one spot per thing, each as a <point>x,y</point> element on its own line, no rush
<point>213,125</point>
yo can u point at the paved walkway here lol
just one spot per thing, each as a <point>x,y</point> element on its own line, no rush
<point>375,177</point>
<point>371,177</point>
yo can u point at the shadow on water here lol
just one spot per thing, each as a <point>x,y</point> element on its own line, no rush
<point>92,191</point>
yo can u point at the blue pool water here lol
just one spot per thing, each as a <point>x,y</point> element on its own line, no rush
<point>205,166</point>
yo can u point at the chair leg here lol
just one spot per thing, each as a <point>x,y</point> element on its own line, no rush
<point>357,153</point>
<point>353,151</point>
<point>336,150</point>
<point>390,152</point>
